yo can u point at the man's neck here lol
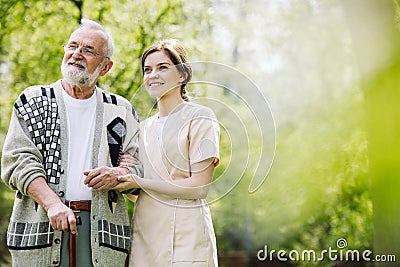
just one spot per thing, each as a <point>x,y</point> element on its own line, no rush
<point>76,91</point>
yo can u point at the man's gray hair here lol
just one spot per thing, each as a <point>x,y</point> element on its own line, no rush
<point>87,23</point>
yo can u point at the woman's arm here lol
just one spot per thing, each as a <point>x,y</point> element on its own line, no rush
<point>193,187</point>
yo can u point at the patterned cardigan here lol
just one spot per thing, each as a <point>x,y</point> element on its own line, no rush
<point>36,146</point>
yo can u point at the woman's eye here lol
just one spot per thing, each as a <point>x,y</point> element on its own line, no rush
<point>163,67</point>
<point>146,70</point>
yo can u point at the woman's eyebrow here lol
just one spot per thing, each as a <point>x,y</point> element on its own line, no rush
<point>164,63</point>
<point>158,64</point>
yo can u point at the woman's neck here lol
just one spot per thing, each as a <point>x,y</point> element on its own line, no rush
<point>167,105</point>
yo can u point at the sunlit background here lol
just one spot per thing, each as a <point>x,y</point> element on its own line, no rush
<point>307,93</point>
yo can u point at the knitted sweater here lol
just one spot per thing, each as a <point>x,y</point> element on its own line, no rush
<point>37,146</point>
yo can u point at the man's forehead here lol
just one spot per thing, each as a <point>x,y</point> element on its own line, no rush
<point>87,36</point>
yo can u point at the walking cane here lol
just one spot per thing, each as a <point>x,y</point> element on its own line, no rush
<point>72,245</point>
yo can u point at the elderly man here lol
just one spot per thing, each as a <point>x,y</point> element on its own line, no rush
<point>61,156</point>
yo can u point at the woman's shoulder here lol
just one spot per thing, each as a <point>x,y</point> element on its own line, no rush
<point>197,109</point>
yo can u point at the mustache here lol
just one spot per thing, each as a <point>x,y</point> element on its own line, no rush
<point>77,62</point>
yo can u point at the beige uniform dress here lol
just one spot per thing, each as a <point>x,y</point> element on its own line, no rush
<point>168,231</point>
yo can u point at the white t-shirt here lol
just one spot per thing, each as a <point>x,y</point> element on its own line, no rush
<point>81,118</point>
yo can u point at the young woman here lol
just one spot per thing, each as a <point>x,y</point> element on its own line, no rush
<point>179,149</point>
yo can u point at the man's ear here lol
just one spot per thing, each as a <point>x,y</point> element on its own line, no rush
<point>106,68</point>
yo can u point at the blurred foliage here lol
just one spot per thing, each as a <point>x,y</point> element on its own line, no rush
<point>384,133</point>
<point>301,54</point>
<point>380,72</point>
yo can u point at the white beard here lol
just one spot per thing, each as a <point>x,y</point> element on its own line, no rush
<point>77,77</point>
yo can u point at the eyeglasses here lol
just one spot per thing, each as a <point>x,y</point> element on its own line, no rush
<point>84,50</point>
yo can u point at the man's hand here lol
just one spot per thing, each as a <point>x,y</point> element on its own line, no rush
<point>104,178</point>
<point>62,218</point>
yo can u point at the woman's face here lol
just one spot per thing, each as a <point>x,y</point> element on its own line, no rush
<point>161,77</point>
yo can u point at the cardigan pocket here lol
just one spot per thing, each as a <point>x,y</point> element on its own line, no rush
<point>26,236</point>
<point>114,236</point>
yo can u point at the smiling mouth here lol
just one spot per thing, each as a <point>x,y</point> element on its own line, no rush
<point>155,84</point>
<point>77,65</point>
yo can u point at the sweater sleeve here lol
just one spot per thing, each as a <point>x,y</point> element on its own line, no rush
<point>21,160</point>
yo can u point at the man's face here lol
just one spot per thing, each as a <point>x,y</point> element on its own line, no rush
<point>84,58</point>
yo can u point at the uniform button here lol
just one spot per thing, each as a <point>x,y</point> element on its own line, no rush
<point>61,193</point>
<point>57,241</point>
